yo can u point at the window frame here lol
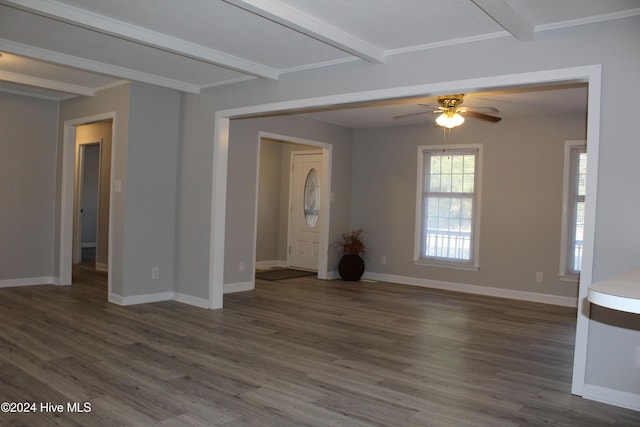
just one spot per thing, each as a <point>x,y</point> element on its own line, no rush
<point>568,219</point>
<point>474,263</point>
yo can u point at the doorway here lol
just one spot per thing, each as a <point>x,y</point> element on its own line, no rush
<point>274,201</point>
<point>90,129</point>
<point>588,74</point>
<point>92,193</point>
<point>87,209</point>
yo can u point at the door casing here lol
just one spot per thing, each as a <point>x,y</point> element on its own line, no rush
<point>67,196</point>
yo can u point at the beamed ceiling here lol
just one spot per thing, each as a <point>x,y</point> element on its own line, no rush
<point>58,49</point>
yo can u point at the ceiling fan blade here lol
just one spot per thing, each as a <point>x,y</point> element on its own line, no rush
<point>482,116</point>
<point>487,109</point>
<point>437,107</point>
<point>411,114</point>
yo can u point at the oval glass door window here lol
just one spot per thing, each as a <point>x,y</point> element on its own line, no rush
<point>311,198</point>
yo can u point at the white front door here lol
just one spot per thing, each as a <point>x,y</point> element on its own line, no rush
<point>304,210</point>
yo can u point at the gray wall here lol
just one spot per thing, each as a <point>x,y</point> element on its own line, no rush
<point>27,186</point>
<point>152,168</point>
<point>617,231</point>
<point>521,199</point>
<point>146,145</point>
<point>269,197</point>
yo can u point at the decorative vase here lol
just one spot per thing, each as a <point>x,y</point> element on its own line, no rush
<point>351,267</point>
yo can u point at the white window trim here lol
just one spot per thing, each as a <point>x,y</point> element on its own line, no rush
<point>564,230</point>
<point>474,265</point>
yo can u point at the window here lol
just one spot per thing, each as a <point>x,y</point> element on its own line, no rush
<point>448,206</point>
<point>574,190</point>
<point>311,198</point>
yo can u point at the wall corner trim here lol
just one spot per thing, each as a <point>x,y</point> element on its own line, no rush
<point>610,396</point>
<point>102,267</point>
<point>191,300</point>
<point>230,288</point>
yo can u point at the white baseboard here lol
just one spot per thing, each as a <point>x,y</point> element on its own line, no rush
<point>141,299</point>
<point>158,297</point>
<point>28,281</point>
<point>179,297</point>
<point>230,288</point>
<point>102,267</point>
<point>188,299</point>
<point>333,275</point>
<point>270,264</point>
<point>610,396</point>
<point>475,289</point>
<point>115,299</point>
<point>88,245</point>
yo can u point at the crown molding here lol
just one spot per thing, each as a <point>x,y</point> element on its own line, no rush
<point>588,20</point>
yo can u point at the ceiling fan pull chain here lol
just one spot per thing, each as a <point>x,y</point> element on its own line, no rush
<point>444,139</point>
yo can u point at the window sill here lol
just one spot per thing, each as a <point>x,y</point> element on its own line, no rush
<point>445,264</point>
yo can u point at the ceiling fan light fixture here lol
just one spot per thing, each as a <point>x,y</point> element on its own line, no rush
<point>449,120</point>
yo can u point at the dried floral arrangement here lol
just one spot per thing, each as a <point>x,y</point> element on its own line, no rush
<point>352,243</point>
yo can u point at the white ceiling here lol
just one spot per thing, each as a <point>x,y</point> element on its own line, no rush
<point>56,49</point>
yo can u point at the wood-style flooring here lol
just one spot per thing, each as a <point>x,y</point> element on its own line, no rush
<point>292,353</point>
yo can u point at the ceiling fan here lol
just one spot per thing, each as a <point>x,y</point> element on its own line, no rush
<point>451,114</point>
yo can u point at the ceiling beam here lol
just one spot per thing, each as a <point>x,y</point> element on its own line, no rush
<point>136,34</point>
<point>23,79</point>
<point>94,66</point>
<point>301,22</point>
<point>509,17</point>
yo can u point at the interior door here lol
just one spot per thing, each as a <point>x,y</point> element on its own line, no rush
<point>304,212</point>
<point>87,199</point>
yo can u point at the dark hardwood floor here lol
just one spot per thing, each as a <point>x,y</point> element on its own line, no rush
<point>291,353</point>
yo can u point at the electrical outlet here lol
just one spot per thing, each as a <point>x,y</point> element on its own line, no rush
<point>241,266</point>
<point>539,277</point>
<point>383,260</point>
<point>155,272</point>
